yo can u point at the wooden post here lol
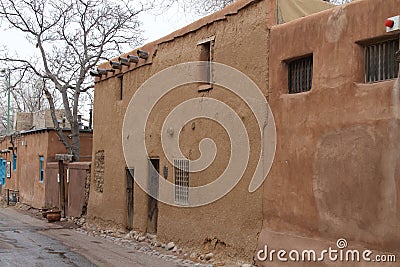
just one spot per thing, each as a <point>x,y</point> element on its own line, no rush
<point>61,187</point>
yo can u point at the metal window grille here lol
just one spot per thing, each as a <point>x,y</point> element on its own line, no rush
<point>381,62</point>
<point>300,75</point>
<point>181,167</point>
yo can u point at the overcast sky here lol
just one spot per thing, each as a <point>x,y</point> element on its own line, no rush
<point>154,27</point>
<point>157,26</point>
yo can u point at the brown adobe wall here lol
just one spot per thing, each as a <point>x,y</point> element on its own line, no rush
<point>31,190</point>
<point>56,147</point>
<point>26,178</point>
<point>333,175</point>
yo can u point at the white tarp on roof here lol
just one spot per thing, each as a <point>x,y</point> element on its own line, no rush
<point>293,9</point>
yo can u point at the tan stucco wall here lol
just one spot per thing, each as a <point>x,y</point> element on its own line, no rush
<point>234,222</point>
<point>333,175</point>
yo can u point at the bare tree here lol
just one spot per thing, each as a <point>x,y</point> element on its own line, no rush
<point>70,38</point>
<point>204,7</point>
<point>208,6</point>
<point>26,94</point>
<point>194,7</point>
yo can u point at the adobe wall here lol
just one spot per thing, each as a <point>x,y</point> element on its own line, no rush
<point>31,190</point>
<point>26,178</point>
<point>57,147</point>
<point>233,222</point>
<point>336,169</point>
<point>86,139</point>
<point>78,173</point>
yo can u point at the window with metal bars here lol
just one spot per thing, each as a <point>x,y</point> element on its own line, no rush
<point>181,167</point>
<point>300,75</point>
<point>380,61</point>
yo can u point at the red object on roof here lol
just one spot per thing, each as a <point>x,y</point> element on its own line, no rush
<point>389,23</point>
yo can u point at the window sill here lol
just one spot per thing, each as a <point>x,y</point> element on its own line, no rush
<point>204,88</point>
<point>375,82</point>
<point>296,95</point>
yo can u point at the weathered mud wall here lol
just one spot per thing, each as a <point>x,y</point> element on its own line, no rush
<point>336,171</point>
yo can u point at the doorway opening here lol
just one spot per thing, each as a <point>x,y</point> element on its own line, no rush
<point>152,210</point>
<point>130,186</point>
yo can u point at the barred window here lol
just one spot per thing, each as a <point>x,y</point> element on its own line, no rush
<point>380,61</point>
<point>300,75</point>
<point>181,167</point>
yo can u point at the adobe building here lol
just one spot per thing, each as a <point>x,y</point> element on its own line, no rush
<point>28,154</point>
<point>238,36</point>
<point>336,172</point>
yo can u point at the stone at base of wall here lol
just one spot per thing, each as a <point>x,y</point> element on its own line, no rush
<point>208,257</point>
<point>270,240</point>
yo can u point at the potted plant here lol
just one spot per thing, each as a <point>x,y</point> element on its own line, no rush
<point>53,215</point>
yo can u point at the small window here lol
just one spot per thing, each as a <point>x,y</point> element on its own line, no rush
<point>206,55</point>
<point>14,157</point>
<point>380,62</point>
<point>8,169</point>
<point>181,167</point>
<point>41,169</point>
<point>300,75</point>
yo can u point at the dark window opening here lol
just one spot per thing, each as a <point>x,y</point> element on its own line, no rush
<point>14,157</point>
<point>41,168</point>
<point>205,55</point>
<point>380,61</point>
<point>300,75</point>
